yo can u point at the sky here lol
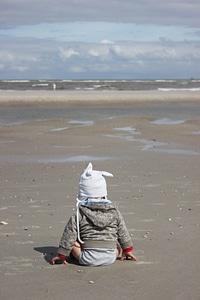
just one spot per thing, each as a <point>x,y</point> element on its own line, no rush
<point>93,39</point>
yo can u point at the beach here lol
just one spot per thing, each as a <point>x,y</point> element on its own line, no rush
<point>155,160</point>
<point>85,97</point>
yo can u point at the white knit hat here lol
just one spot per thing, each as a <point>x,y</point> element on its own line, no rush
<point>92,184</point>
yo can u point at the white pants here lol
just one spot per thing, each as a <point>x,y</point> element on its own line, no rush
<point>97,257</point>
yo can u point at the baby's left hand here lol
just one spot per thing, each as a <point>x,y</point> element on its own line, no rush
<point>57,259</point>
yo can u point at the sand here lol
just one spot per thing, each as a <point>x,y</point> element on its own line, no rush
<point>158,193</point>
<point>85,97</point>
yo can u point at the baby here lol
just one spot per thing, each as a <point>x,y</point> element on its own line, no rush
<point>96,234</point>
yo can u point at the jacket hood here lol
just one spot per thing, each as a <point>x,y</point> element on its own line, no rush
<point>100,215</point>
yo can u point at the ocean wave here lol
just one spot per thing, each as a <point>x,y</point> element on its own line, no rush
<point>103,85</point>
<point>18,81</point>
<point>179,89</point>
<point>165,80</point>
<point>40,84</point>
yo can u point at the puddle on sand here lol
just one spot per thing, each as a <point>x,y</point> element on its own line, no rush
<point>148,144</point>
<point>129,129</point>
<point>58,129</point>
<point>166,121</point>
<point>81,122</point>
<point>73,147</point>
<point>178,151</point>
<point>80,158</point>
<point>52,159</point>
<point>153,144</point>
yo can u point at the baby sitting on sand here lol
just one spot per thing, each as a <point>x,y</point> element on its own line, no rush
<point>97,233</point>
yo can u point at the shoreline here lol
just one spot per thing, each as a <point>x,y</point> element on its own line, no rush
<point>94,97</point>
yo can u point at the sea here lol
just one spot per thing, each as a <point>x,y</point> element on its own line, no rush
<point>87,115</point>
<point>163,112</point>
<point>101,85</point>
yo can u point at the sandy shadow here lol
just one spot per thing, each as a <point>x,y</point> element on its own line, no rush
<point>50,251</point>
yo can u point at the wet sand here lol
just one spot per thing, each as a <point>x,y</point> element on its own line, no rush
<point>156,171</point>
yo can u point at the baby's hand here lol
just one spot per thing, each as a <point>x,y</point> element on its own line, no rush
<point>128,255</point>
<point>58,259</point>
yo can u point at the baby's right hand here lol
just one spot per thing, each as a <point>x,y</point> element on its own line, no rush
<point>58,259</point>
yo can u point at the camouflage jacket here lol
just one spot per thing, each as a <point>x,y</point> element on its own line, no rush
<point>101,225</point>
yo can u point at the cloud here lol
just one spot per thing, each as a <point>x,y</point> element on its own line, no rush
<point>99,51</point>
<point>66,54</point>
<point>172,12</point>
<point>105,39</point>
<point>76,69</point>
<point>94,52</point>
<point>25,58</point>
<point>106,42</point>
